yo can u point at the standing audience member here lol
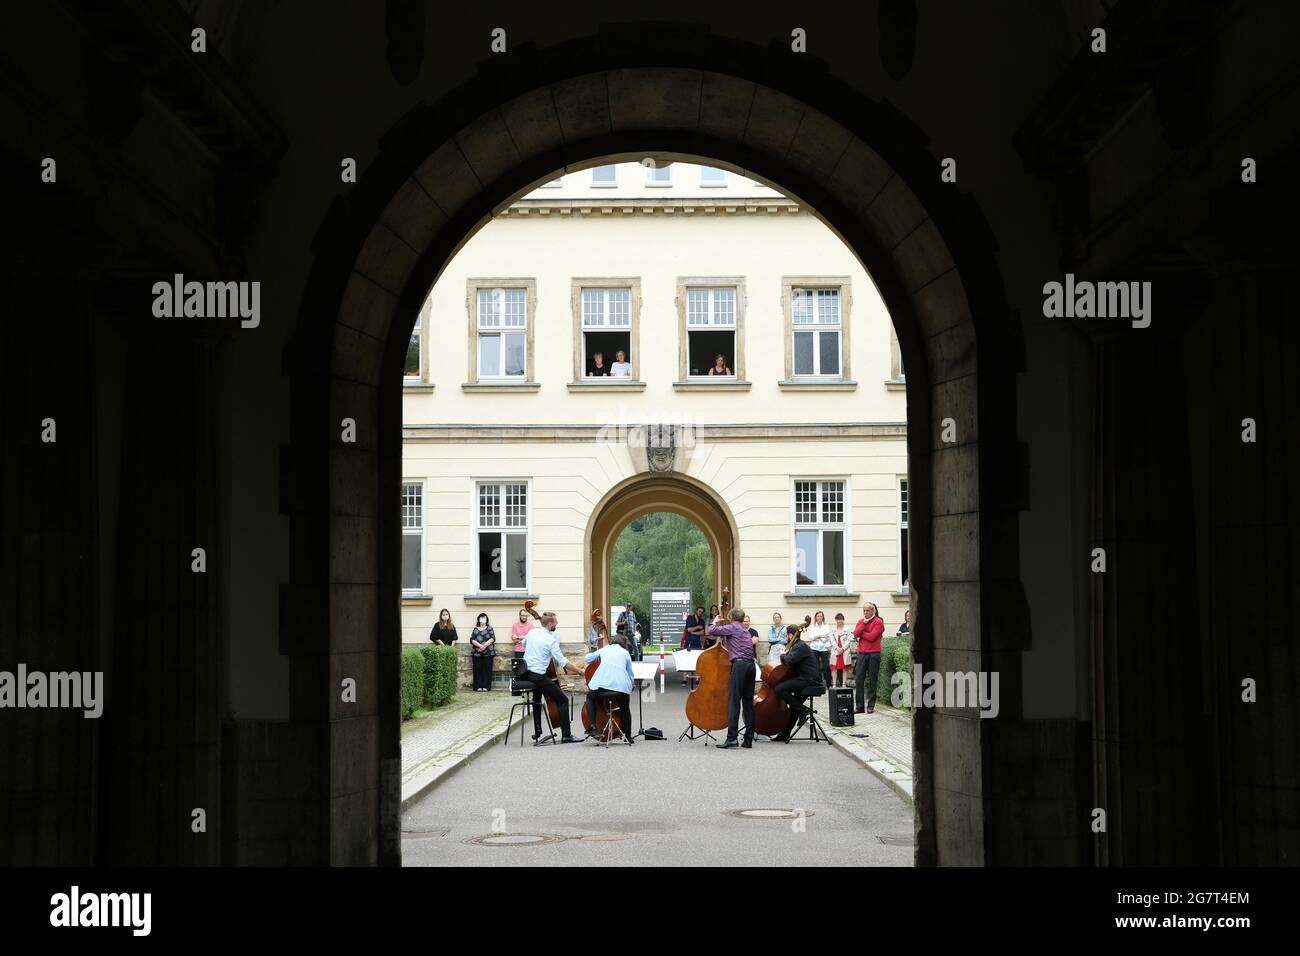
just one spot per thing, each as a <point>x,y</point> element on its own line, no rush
<point>444,632</point>
<point>841,650</point>
<point>693,635</point>
<point>597,625</point>
<point>868,631</point>
<point>483,644</point>
<point>775,638</point>
<point>819,642</point>
<point>519,630</point>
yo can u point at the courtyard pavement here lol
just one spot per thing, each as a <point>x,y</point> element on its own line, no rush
<point>657,803</point>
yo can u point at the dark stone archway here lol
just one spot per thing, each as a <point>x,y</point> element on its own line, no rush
<point>441,174</point>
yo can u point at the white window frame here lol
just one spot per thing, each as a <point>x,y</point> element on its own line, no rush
<point>902,513</point>
<point>845,525</point>
<point>602,184</point>
<point>818,327</point>
<point>653,183</point>
<point>417,333</point>
<point>719,183</point>
<point>713,325</point>
<point>499,330</point>
<point>555,183</point>
<point>585,326</point>
<point>414,530</point>
<point>476,527</point>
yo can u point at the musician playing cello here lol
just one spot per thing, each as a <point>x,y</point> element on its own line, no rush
<point>613,678</point>
<point>541,645</point>
<point>740,649</point>
<point>794,691</point>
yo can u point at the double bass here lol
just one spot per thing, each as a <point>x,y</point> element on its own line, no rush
<point>552,708</point>
<point>603,706</point>
<point>706,705</point>
<point>771,713</point>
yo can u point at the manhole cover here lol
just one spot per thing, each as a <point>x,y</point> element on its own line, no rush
<point>769,813</point>
<point>895,840</point>
<point>513,839</point>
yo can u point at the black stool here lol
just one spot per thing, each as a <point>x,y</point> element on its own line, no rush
<point>532,697</point>
<point>815,731</point>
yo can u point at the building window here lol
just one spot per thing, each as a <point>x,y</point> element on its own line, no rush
<point>606,330</point>
<point>502,333</point>
<point>711,177</point>
<point>815,321</point>
<point>501,536</point>
<point>412,372</point>
<point>604,176</point>
<point>413,537</point>
<point>816,329</point>
<point>896,355</point>
<point>902,534</point>
<point>820,530</point>
<point>711,332</point>
<point>659,176</point>
<point>555,183</point>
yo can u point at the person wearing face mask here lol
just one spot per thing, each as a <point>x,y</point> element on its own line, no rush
<point>483,644</point>
<point>444,632</point>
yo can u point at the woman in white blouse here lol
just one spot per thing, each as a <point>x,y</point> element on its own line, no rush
<point>819,642</point>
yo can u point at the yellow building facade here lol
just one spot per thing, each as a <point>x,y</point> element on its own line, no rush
<point>748,379</point>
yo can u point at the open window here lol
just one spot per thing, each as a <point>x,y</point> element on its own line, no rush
<point>606,313</point>
<point>501,536</point>
<point>711,333</point>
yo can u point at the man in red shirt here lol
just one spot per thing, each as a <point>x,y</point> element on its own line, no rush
<point>868,631</point>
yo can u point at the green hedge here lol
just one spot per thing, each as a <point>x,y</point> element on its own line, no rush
<point>885,685</point>
<point>440,675</point>
<point>412,681</point>
<point>902,658</point>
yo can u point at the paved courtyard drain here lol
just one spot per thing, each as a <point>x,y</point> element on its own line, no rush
<point>769,813</point>
<point>513,839</point>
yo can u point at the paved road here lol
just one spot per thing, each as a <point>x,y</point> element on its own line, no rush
<point>659,803</point>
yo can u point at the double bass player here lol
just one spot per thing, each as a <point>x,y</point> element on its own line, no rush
<point>740,649</point>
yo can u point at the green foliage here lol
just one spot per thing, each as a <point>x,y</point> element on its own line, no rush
<point>660,550</point>
<point>902,658</point>
<point>885,686</point>
<point>440,674</point>
<point>412,681</point>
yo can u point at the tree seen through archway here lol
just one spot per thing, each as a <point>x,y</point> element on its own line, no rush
<point>660,550</point>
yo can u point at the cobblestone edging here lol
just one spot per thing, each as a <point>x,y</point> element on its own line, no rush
<point>886,751</point>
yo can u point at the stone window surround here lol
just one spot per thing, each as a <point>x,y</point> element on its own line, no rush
<point>472,287</point>
<point>896,381</point>
<point>577,284</point>
<point>684,381</point>
<point>842,382</point>
<point>823,590</point>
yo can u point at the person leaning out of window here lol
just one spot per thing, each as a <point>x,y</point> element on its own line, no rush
<point>444,632</point>
<point>719,366</point>
<point>621,368</point>
<point>483,650</point>
<point>599,367</point>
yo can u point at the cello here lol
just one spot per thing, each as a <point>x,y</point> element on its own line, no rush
<point>603,706</point>
<point>771,713</point>
<point>552,708</point>
<point>706,705</point>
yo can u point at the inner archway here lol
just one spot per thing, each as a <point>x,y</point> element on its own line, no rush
<point>645,494</point>
<point>440,180</point>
